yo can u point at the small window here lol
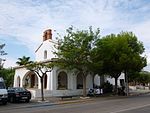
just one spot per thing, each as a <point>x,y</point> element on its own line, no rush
<point>45,54</point>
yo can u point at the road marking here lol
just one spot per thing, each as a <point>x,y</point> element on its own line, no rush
<point>132,108</point>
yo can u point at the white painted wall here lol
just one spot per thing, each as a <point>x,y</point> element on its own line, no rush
<point>21,73</point>
<point>89,81</point>
<point>112,80</point>
<point>97,80</point>
<point>50,47</point>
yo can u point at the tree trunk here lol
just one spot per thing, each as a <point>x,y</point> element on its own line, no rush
<point>126,83</point>
<point>116,86</point>
<point>42,93</point>
<point>84,86</point>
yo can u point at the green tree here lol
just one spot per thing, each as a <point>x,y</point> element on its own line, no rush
<point>41,69</point>
<point>74,52</point>
<point>108,53</point>
<point>23,61</point>
<point>133,77</point>
<point>8,75</point>
<point>131,59</point>
<point>120,53</point>
<point>143,78</point>
<point>2,52</point>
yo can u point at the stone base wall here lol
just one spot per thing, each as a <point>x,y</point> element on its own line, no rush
<point>36,93</point>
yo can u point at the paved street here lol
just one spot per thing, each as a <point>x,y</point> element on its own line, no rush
<point>137,104</point>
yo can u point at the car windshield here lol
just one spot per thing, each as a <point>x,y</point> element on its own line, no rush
<point>20,89</point>
<point>2,85</point>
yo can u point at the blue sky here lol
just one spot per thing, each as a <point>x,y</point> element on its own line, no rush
<point>22,22</point>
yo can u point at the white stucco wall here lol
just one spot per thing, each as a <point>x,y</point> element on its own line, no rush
<point>51,89</point>
<point>89,81</point>
<point>97,80</point>
<point>112,80</point>
<point>49,46</point>
<point>20,72</point>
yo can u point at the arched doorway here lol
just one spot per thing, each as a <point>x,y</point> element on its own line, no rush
<point>62,81</point>
<point>30,80</point>
<point>18,81</point>
<point>79,81</point>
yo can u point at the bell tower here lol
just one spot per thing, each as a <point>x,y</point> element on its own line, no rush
<point>47,48</point>
<point>47,35</point>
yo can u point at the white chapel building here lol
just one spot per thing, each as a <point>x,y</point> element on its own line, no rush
<point>58,82</point>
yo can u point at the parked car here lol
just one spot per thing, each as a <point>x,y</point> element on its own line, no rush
<point>17,94</point>
<point>3,92</point>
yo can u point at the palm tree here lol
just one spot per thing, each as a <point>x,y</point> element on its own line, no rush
<point>23,61</point>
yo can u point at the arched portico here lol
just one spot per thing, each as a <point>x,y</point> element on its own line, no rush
<point>79,81</point>
<point>30,80</point>
<point>62,81</point>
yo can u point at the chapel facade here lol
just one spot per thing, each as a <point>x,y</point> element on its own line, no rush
<point>58,82</point>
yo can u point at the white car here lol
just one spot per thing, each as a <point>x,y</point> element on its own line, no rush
<point>3,92</point>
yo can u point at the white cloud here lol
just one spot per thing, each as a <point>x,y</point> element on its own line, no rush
<point>10,62</point>
<point>142,32</point>
<point>26,20</point>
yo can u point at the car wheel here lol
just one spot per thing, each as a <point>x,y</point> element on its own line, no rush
<point>11,99</point>
<point>28,100</point>
<point>4,103</point>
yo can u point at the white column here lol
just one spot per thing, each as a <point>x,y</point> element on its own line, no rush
<point>21,81</point>
<point>74,81</point>
<point>89,81</point>
<point>39,83</point>
<point>54,79</point>
<point>15,81</point>
<point>70,81</point>
<point>48,81</point>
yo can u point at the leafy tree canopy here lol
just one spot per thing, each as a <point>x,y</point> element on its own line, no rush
<point>75,51</point>
<point>2,52</point>
<point>120,53</point>
<point>8,76</point>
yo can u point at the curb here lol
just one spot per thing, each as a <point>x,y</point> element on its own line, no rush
<point>89,99</point>
<point>138,94</point>
<point>65,101</point>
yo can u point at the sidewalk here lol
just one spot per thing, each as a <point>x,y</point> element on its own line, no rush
<point>138,92</point>
<point>57,100</point>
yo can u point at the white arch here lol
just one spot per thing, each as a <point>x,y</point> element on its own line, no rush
<point>30,80</point>
<point>62,80</point>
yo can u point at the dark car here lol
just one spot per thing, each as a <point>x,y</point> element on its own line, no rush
<point>17,94</point>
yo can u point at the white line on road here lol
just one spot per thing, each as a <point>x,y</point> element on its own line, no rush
<point>132,108</point>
